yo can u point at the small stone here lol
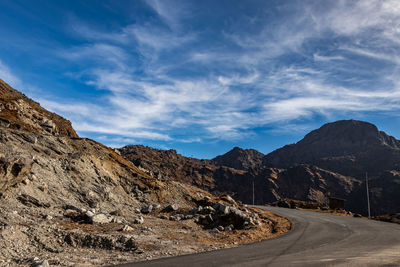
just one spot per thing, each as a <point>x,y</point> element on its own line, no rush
<point>139,220</point>
<point>215,231</point>
<point>207,198</point>
<point>43,263</point>
<point>164,217</point>
<point>188,217</point>
<point>209,209</point>
<point>171,207</point>
<point>156,206</point>
<point>230,199</point>
<point>89,213</point>
<point>177,217</point>
<point>220,228</point>
<point>229,227</point>
<point>72,207</point>
<point>147,209</point>
<point>126,228</point>
<point>48,217</point>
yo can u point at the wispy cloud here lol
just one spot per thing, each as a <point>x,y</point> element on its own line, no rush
<point>8,76</point>
<point>162,77</point>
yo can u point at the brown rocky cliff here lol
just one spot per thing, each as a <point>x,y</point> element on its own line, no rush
<point>241,159</point>
<point>20,112</point>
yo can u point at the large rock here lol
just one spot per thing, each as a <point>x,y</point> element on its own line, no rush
<point>100,219</point>
<point>221,208</point>
<point>101,241</point>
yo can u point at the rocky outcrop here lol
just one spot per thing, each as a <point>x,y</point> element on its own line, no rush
<point>241,159</point>
<point>20,112</point>
<point>13,170</point>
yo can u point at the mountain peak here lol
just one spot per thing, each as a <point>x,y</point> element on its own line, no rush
<point>350,134</point>
<point>239,158</point>
<point>348,147</point>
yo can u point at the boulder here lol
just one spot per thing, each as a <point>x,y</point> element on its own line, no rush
<point>221,208</point>
<point>100,219</point>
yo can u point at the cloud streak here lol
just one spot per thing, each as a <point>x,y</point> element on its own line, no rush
<point>162,78</point>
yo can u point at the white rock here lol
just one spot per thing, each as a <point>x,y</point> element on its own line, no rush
<point>89,213</point>
<point>100,219</point>
<point>126,228</point>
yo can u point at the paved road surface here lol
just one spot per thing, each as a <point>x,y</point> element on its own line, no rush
<point>316,239</point>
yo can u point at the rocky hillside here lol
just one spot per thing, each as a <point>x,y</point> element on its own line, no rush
<point>65,200</point>
<point>19,112</point>
<point>301,182</point>
<point>241,159</point>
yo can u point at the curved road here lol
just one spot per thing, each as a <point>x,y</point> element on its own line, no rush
<point>316,239</point>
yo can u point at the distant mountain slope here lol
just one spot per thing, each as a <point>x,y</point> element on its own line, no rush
<point>348,147</point>
<point>299,182</point>
<point>328,162</point>
<point>20,112</point>
<point>241,159</point>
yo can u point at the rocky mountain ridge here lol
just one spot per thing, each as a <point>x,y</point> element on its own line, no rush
<point>328,162</point>
<point>20,112</point>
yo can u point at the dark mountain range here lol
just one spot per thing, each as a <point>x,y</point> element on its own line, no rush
<point>347,147</point>
<point>301,182</point>
<point>328,162</point>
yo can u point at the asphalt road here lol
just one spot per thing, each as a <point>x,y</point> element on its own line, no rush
<point>316,239</point>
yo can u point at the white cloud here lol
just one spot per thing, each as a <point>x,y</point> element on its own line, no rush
<point>170,11</point>
<point>7,76</point>
<point>224,93</point>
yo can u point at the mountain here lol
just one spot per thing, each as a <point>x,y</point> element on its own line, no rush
<point>328,162</point>
<point>70,200</point>
<point>347,147</point>
<point>169,165</point>
<point>301,182</point>
<point>241,159</point>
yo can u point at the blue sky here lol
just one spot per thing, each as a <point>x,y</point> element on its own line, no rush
<point>204,76</point>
